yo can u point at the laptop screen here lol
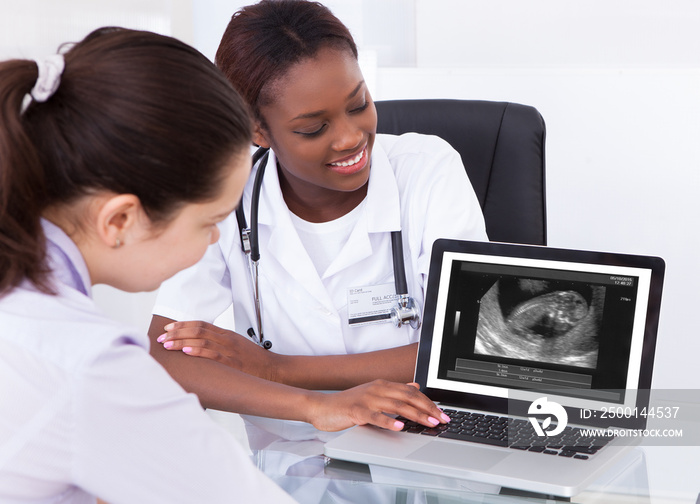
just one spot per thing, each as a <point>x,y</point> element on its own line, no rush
<point>517,322</point>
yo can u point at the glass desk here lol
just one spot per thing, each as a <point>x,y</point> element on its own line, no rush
<point>648,475</point>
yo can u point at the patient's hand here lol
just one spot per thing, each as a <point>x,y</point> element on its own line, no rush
<point>201,339</point>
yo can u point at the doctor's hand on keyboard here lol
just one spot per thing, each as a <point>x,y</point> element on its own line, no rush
<point>372,403</point>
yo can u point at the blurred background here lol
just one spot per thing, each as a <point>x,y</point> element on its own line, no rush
<point>617,81</point>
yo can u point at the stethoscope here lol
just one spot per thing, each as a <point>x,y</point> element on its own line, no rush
<point>404,312</point>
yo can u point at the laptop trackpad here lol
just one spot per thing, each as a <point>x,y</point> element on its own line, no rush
<point>455,455</point>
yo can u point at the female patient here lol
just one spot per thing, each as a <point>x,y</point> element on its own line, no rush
<point>332,193</point>
<point>117,170</point>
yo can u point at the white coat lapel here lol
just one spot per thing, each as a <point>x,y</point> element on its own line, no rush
<point>283,246</point>
<point>381,214</point>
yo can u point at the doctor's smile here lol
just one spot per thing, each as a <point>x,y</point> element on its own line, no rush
<point>351,164</point>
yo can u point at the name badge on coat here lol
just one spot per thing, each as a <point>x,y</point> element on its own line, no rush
<point>371,304</point>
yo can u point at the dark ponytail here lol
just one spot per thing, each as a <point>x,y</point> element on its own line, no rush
<point>135,113</point>
<point>22,184</point>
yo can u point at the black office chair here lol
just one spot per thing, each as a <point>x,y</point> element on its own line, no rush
<point>502,148</point>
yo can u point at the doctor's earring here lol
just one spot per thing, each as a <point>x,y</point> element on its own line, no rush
<point>118,243</point>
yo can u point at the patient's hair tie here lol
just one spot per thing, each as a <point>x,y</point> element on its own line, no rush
<point>49,78</point>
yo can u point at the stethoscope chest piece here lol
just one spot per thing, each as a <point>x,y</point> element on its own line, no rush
<point>405,312</point>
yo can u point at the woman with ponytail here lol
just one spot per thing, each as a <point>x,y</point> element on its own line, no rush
<point>110,172</point>
<point>118,158</point>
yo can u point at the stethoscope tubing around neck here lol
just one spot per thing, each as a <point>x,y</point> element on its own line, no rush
<point>251,245</point>
<point>260,155</point>
<point>405,312</point>
<point>399,264</point>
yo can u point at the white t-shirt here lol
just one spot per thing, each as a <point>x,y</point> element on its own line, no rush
<point>417,184</point>
<point>85,411</point>
<point>323,241</point>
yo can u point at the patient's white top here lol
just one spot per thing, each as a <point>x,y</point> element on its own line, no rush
<point>85,411</point>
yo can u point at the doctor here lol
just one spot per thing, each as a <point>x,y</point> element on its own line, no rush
<point>333,192</point>
<point>117,170</point>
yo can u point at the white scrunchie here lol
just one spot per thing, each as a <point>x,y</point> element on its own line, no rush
<point>50,70</point>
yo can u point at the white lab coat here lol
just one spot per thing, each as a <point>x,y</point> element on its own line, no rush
<point>85,411</point>
<point>417,184</point>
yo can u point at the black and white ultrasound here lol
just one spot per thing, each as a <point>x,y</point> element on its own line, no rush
<point>541,320</point>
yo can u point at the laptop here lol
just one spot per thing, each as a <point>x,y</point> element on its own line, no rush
<point>526,348</point>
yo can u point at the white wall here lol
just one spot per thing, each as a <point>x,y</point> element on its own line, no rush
<point>617,81</point>
<point>34,28</point>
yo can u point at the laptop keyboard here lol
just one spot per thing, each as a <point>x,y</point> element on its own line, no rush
<point>514,433</point>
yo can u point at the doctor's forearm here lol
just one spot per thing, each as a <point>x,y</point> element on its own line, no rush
<point>339,372</point>
<point>227,389</point>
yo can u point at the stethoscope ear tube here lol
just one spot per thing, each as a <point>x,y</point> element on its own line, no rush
<point>243,228</point>
<point>399,266</point>
<point>260,152</point>
<point>254,204</point>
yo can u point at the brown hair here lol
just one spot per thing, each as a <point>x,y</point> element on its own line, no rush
<point>135,113</point>
<point>264,40</point>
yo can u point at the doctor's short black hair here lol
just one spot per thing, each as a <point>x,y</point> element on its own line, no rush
<point>262,41</point>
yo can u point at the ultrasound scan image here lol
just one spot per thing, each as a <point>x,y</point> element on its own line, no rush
<point>541,320</point>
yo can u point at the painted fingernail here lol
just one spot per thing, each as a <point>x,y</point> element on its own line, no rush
<point>445,417</point>
<point>167,344</point>
<point>187,349</point>
<point>398,425</point>
<point>433,421</point>
<point>161,338</point>
<point>168,327</point>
